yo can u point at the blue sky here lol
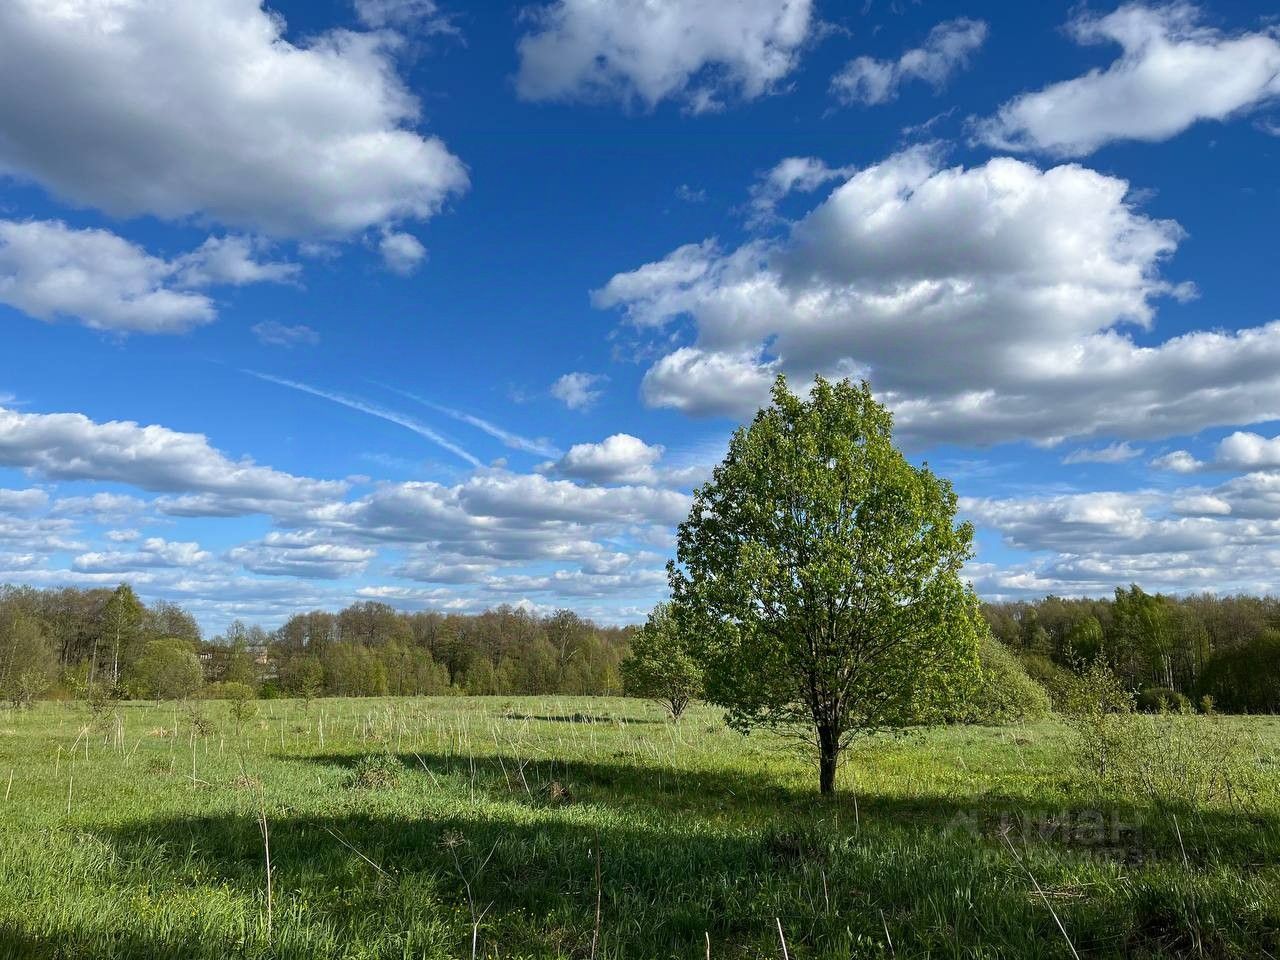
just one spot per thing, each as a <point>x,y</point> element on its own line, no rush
<point>451,305</point>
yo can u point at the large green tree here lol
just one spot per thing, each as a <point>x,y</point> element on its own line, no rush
<point>820,572</point>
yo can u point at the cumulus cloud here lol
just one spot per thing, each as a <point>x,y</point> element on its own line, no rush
<point>179,109</point>
<point>52,271</point>
<point>1173,72</point>
<point>70,446</point>
<point>101,507</point>
<point>620,458</point>
<point>645,51</point>
<point>154,552</point>
<point>803,174</point>
<point>945,52</point>
<point>1238,451</point>
<point>22,501</point>
<point>1118,452</point>
<point>402,252</point>
<point>1179,541</point>
<point>985,304</point>
<point>276,334</point>
<point>578,391</point>
<point>302,554</point>
<point>231,261</point>
<point>499,515</point>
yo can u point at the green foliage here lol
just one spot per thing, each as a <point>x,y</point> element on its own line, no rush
<point>377,771</point>
<point>1246,679</point>
<point>1177,760</point>
<point>122,628</point>
<point>820,572</point>
<point>1163,700</point>
<point>1054,679</point>
<point>662,665</point>
<point>167,669</point>
<point>27,660</point>
<point>1003,693</point>
<point>1144,623</point>
<point>228,690</point>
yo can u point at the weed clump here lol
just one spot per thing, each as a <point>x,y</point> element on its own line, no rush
<point>557,794</point>
<point>1176,759</point>
<point>376,771</point>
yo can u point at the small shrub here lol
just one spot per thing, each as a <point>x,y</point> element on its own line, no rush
<point>1056,679</point>
<point>228,690</point>
<point>1163,700</point>
<point>200,725</point>
<point>377,771</point>
<point>1175,760</point>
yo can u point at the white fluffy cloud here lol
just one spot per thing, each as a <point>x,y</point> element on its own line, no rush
<point>177,109</point>
<point>22,501</point>
<point>70,446</point>
<point>946,51</point>
<point>304,554</point>
<point>51,271</point>
<point>646,51</point>
<point>1241,450</point>
<point>496,515</point>
<point>402,252</point>
<point>1227,537</point>
<point>578,391</point>
<point>154,552</point>
<point>1173,72</point>
<point>802,174</point>
<point>620,458</point>
<point>985,304</point>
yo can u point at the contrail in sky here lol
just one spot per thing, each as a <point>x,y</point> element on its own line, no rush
<point>543,448</point>
<point>373,410</point>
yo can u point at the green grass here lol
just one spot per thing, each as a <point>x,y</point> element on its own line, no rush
<point>126,840</point>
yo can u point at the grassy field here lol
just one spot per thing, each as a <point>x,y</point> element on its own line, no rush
<point>556,827</point>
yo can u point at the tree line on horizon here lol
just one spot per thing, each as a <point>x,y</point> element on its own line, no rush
<point>72,642</point>
<point>67,641</point>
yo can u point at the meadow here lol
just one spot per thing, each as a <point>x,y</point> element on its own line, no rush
<point>561,827</point>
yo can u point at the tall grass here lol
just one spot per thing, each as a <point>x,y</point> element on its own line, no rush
<point>559,827</point>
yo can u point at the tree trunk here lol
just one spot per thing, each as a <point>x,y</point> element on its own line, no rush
<point>828,756</point>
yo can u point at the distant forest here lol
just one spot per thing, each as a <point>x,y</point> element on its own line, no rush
<point>71,642</point>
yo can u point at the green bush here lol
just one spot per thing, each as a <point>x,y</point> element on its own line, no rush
<point>1056,679</point>
<point>1176,761</point>
<point>1163,700</point>
<point>1004,692</point>
<point>228,690</point>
